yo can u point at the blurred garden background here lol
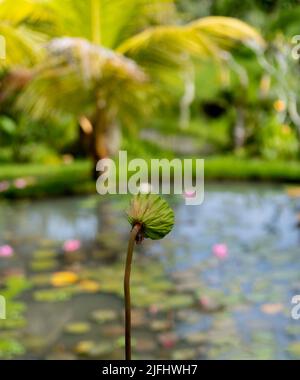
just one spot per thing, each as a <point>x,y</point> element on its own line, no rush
<point>213,79</point>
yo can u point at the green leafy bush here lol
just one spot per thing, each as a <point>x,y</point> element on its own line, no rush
<point>278,141</point>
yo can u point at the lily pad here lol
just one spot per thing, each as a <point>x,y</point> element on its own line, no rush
<point>138,318</point>
<point>113,330</point>
<point>53,295</point>
<point>196,338</point>
<point>10,348</point>
<point>293,330</point>
<point>145,345</point>
<point>185,354</point>
<point>76,328</point>
<point>88,286</point>
<point>61,356</point>
<point>41,279</point>
<point>35,343</point>
<point>120,342</point>
<point>63,279</point>
<point>101,350</point>
<point>177,302</point>
<point>14,316</point>
<point>43,255</point>
<point>84,347</point>
<point>160,325</point>
<point>294,350</point>
<point>43,265</point>
<point>104,316</point>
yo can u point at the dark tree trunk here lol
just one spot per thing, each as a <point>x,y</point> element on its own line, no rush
<point>105,137</point>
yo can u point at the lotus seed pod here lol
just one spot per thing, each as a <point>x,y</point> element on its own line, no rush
<point>153,214</point>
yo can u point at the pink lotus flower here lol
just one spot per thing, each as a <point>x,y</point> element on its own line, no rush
<point>20,183</point>
<point>71,245</point>
<point>220,251</point>
<point>6,251</point>
<point>4,185</point>
<point>204,301</point>
<point>189,194</point>
<point>168,340</point>
<point>153,309</point>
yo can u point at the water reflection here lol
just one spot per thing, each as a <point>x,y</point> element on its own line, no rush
<point>236,307</point>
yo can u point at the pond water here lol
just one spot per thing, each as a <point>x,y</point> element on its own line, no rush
<point>65,300</point>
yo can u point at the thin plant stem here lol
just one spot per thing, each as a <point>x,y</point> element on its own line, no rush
<point>132,239</point>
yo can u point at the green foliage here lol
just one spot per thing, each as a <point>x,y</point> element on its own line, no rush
<point>54,180</point>
<point>9,348</point>
<point>74,74</point>
<point>26,140</point>
<point>278,141</point>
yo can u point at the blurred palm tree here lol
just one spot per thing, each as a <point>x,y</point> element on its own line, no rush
<point>116,52</point>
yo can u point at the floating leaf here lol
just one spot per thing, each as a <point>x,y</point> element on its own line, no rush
<point>84,347</point>
<point>177,302</point>
<point>138,318</point>
<point>43,265</point>
<point>77,328</point>
<point>196,338</point>
<point>63,279</point>
<point>10,348</point>
<point>100,350</point>
<point>185,354</point>
<point>145,345</point>
<point>160,325</point>
<point>103,316</point>
<point>294,350</point>
<point>43,255</point>
<point>53,295</point>
<point>89,286</point>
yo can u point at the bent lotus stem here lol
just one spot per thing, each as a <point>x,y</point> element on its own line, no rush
<point>132,239</point>
<point>150,217</point>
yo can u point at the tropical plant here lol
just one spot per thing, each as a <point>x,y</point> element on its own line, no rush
<point>19,25</point>
<point>151,217</point>
<point>101,87</point>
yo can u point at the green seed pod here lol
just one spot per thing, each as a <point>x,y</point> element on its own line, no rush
<point>153,214</point>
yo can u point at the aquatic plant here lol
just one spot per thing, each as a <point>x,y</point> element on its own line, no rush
<point>6,251</point>
<point>151,217</point>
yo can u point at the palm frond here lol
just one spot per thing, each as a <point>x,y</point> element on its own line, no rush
<point>76,75</point>
<point>117,19</point>
<point>224,31</point>
<point>17,11</point>
<point>169,45</point>
<point>19,25</point>
<point>23,45</point>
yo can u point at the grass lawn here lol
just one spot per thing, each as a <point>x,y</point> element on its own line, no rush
<point>75,178</point>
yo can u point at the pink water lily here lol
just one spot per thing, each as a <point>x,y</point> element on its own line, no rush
<point>6,251</point>
<point>220,251</point>
<point>204,301</point>
<point>4,185</point>
<point>153,309</point>
<point>189,194</point>
<point>168,340</point>
<point>71,245</point>
<point>20,183</point>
